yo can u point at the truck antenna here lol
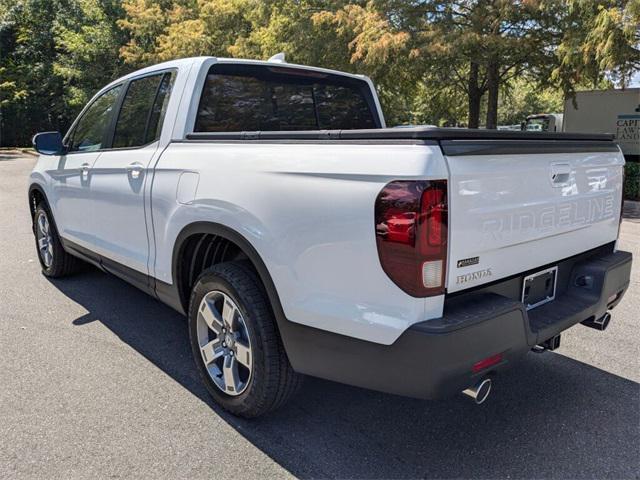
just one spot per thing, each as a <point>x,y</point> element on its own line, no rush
<point>277,58</point>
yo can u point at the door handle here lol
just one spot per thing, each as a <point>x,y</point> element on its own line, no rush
<point>135,169</point>
<point>85,168</point>
<point>560,174</point>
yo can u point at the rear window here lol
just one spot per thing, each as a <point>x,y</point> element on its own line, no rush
<point>239,98</point>
<point>142,111</point>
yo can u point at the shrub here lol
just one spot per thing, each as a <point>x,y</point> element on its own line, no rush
<point>632,181</point>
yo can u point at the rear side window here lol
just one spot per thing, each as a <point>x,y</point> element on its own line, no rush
<point>90,131</point>
<point>249,98</point>
<point>142,111</point>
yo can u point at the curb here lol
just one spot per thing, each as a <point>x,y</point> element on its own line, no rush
<point>23,151</point>
<point>28,151</point>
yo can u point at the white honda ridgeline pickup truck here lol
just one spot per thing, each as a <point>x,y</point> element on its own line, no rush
<point>269,203</point>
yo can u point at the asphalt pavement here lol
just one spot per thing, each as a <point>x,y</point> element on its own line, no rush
<point>97,380</point>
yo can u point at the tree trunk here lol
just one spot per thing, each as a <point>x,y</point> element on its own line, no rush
<point>493,88</point>
<point>475,96</point>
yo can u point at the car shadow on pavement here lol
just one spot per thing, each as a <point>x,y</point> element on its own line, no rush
<point>550,417</point>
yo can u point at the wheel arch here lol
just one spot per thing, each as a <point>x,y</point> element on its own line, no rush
<point>218,230</point>
<point>36,195</point>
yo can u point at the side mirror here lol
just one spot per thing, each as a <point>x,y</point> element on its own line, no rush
<point>48,143</point>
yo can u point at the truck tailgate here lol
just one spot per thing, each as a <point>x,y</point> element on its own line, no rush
<point>515,206</point>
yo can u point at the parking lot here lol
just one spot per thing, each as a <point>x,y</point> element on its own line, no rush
<point>97,379</point>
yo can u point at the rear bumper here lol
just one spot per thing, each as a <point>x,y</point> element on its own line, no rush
<point>434,358</point>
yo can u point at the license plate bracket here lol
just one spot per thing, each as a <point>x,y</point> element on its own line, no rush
<point>539,288</point>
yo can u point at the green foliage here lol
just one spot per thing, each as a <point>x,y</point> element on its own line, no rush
<point>87,37</point>
<point>632,181</point>
<point>523,97</point>
<point>602,39</point>
<point>30,91</point>
<point>442,106</point>
<point>434,62</point>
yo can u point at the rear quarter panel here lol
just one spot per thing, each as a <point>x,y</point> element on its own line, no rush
<point>308,210</point>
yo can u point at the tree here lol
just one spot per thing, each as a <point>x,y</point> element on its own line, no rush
<point>54,54</point>
<point>465,49</point>
<point>87,36</point>
<point>478,45</point>
<point>437,104</point>
<point>522,97</point>
<point>145,21</point>
<point>602,39</point>
<point>30,91</point>
<point>451,62</point>
<point>368,39</point>
<point>172,29</point>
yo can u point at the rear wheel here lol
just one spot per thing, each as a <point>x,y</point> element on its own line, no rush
<point>55,261</point>
<point>235,342</point>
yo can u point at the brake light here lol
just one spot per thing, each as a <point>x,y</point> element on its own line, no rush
<point>411,234</point>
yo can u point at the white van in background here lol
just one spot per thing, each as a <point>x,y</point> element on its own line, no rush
<point>544,122</point>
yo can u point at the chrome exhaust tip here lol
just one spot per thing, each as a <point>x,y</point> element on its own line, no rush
<point>480,392</point>
<point>600,324</point>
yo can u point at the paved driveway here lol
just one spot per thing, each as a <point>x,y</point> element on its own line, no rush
<point>96,380</point>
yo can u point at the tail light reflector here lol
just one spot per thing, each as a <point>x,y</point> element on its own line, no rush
<point>411,234</point>
<point>487,362</point>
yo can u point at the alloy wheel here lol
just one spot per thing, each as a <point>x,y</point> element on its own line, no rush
<point>44,239</point>
<point>224,343</point>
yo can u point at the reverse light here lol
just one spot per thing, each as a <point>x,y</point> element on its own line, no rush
<point>411,234</point>
<point>432,273</point>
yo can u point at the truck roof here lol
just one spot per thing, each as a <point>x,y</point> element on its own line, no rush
<point>199,61</point>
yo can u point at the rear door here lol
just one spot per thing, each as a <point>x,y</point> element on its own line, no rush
<point>72,180</point>
<point>519,205</point>
<point>121,172</point>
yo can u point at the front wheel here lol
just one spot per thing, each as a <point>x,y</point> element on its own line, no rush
<point>54,260</point>
<point>235,342</point>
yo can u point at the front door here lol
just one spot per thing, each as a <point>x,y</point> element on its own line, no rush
<point>121,174</point>
<point>71,178</point>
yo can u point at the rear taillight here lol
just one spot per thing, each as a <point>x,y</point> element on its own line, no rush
<point>411,233</point>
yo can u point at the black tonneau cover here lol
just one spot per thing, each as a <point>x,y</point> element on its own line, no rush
<point>453,141</point>
<point>408,133</point>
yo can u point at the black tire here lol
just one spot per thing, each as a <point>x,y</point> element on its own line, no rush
<point>272,380</point>
<point>61,264</point>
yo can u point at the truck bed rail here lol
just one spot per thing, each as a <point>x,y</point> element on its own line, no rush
<point>414,133</point>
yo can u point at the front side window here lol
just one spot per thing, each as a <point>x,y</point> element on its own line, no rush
<point>239,98</point>
<point>142,111</point>
<point>90,131</point>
